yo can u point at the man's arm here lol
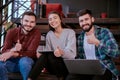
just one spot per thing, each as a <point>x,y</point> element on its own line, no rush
<point>108,44</point>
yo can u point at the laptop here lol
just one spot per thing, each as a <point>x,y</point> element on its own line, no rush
<point>84,66</point>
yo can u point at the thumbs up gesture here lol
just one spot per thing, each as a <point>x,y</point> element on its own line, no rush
<point>18,46</point>
<point>58,52</point>
<point>91,39</point>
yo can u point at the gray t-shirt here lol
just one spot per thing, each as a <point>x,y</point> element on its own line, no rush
<point>89,49</point>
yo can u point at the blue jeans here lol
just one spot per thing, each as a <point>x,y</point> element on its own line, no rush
<point>22,65</point>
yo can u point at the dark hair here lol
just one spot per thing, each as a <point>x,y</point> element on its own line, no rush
<point>30,13</point>
<point>83,12</point>
<point>62,24</point>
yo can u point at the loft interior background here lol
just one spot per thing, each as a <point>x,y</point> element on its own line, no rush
<point>111,7</point>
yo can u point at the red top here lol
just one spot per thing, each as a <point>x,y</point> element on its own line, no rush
<point>29,41</point>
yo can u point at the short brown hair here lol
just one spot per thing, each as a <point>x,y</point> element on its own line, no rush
<point>83,12</point>
<point>30,13</point>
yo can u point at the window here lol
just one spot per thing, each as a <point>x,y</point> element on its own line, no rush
<point>20,6</point>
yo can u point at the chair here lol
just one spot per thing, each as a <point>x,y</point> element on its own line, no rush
<point>54,7</point>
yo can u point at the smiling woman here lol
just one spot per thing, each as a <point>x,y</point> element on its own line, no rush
<point>60,40</point>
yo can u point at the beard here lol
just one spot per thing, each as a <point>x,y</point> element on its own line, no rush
<point>23,26</point>
<point>88,29</point>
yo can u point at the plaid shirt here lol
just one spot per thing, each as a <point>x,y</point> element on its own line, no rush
<point>106,50</point>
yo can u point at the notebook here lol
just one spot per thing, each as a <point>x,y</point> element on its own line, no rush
<point>84,66</point>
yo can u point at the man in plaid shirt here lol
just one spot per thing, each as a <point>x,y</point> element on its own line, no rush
<point>95,42</point>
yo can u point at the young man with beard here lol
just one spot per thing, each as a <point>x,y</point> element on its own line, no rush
<point>95,42</point>
<point>19,50</point>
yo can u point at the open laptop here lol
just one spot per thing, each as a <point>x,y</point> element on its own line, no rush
<point>84,66</point>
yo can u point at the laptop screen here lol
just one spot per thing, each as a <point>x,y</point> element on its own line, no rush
<point>84,66</point>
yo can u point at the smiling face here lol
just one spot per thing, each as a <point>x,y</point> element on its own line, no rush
<point>86,22</point>
<point>28,22</point>
<point>54,21</point>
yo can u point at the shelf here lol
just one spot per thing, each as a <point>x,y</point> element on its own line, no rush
<point>102,21</point>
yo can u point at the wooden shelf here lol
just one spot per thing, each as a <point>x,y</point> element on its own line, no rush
<point>73,21</point>
<point>102,21</point>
